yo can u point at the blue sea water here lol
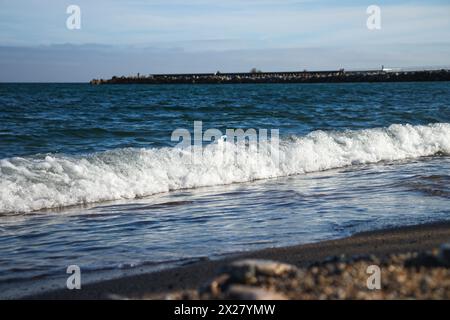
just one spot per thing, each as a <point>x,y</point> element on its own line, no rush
<point>89,174</point>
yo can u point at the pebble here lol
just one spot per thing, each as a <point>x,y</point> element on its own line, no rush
<point>241,292</point>
<point>248,271</point>
<point>444,254</point>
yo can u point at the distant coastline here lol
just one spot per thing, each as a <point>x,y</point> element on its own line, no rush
<point>335,76</point>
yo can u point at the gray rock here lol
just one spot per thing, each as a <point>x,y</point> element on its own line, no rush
<point>444,254</point>
<point>241,292</point>
<point>423,259</point>
<point>247,271</point>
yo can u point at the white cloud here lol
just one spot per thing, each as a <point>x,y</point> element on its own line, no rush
<point>263,23</point>
<point>233,35</point>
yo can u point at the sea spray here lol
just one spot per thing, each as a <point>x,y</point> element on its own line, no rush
<point>40,182</point>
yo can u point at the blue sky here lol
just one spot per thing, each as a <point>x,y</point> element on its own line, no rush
<point>156,36</point>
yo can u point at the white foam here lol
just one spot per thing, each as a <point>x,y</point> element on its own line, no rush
<point>28,184</point>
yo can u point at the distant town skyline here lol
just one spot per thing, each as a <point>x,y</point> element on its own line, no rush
<point>175,36</point>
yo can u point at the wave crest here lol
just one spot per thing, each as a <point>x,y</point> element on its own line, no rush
<point>29,184</point>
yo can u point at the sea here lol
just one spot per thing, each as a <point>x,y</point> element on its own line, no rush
<point>95,176</point>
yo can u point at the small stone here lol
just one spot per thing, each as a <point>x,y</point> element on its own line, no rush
<point>444,254</point>
<point>423,259</point>
<point>247,271</point>
<point>181,295</point>
<point>241,292</point>
<point>217,285</point>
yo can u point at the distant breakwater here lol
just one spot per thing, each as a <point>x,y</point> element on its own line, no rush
<point>339,76</point>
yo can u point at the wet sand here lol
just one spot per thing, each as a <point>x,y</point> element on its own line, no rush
<point>158,284</point>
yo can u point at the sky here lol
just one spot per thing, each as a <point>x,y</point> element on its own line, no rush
<point>183,36</point>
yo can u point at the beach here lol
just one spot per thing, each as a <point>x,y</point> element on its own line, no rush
<point>167,283</point>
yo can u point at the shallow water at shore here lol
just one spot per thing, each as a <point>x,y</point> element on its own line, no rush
<point>173,228</point>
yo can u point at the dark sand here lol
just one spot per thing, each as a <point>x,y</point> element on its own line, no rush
<point>157,285</point>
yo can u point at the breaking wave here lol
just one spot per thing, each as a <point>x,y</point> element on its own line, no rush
<point>34,183</point>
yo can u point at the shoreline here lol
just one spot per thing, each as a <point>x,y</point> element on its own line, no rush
<point>157,285</point>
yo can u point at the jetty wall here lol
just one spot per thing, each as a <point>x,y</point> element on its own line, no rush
<point>336,76</point>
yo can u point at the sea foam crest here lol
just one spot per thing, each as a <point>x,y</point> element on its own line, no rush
<point>33,183</point>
